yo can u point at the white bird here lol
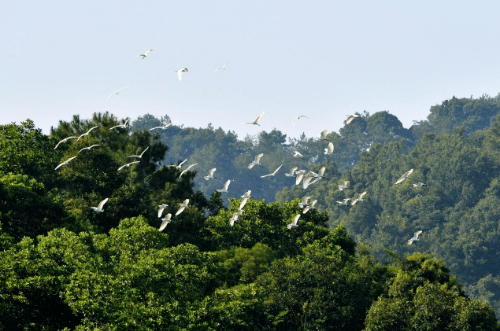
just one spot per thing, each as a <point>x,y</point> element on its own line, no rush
<point>161,209</point>
<point>86,133</point>
<point>294,222</point>
<point>247,194</point>
<point>297,154</point>
<point>223,67</point>
<point>183,205</point>
<point>163,127</point>
<point>65,162</point>
<point>311,206</point>
<point>344,202</point>
<point>292,172</point>
<point>99,209</point>
<point>178,166</point>
<point>298,117</point>
<point>272,174</point>
<point>308,181</point>
<point>405,175</point>
<point>299,175</point>
<point>243,203</point>
<point>323,134</point>
<point>235,216</point>
<point>140,156</point>
<point>344,186</point>
<point>210,174</point>
<point>187,169</point>
<point>64,140</point>
<point>329,149</point>
<point>226,185</point>
<point>87,148</point>
<point>304,201</point>
<point>123,126</point>
<point>165,222</point>
<point>418,185</point>
<point>256,122</point>
<point>359,198</point>
<point>179,73</point>
<point>351,118</point>
<point>256,161</point>
<point>415,237</point>
<point>145,54</point>
<point>127,165</point>
<point>116,92</point>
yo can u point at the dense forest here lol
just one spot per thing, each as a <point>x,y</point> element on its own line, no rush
<point>80,246</point>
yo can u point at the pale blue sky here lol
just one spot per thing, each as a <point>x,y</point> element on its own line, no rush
<point>324,59</point>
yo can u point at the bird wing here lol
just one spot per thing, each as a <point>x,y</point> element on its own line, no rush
<point>401,179</point>
<point>408,173</point>
<point>275,171</point>
<point>165,222</point>
<point>180,210</point>
<point>144,151</point>
<point>226,185</point>
<point>243,203</point>
<point>259,117</point>
<point>313,203</point>
<point>299,179</point>
<point>324,133</point>
<point>330,148</point>
<point>211,172</point>
<point>306,182</point>
<point>250,166</point>
<point>257,157</point>
<point>417,233</point>
<point>296,219</point>
<point>321,172</point>
<point>266,175</point>
<point>349,119</point>
<point>179,74</point>
<point>101,204</point>
<point>362,195</point>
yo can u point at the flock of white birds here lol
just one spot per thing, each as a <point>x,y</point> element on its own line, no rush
<point>306,177</point>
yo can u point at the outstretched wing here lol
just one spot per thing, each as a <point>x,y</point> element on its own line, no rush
<point>101,204</point>
<point>259,117</point>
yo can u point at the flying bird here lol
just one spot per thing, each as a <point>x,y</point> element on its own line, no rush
<point>86,133</point>
<point>128,165</point>
<point>359,198</point>
<point>99,209</point>
<point>304,201</point>
<point>292,172</point>
<point>344,186</point>
<point>178,166</point>
<point>243,203</point>
<point>235,216</point>
<point>87,148</point>
<point>272,174</point>
<point>182,206</point>
<point>65,162</point>
<point>226,185</point>
<point>297,118</point>
<point>256,122</point>
<point>163,127</point>
<point>351,118</point>
<point>116,92</point>
<point>415,237</point>
<point>140,156</point>
<point>294,222</point>
<point>256,161</point>
<point>329,149</point>
<point>405,175</point>
<point>210,174</point>
<point>165,222</point>
<point>344,202</point>
<point>187,169</point>
<point>179,73</point>
<point>311,206</point>
<point>144,55</point>
<point>123,126</point>
<point>161,209</point>
<point>323,134</point>
<point>418,185</point>
<point>297,154</point>
<point>223,67</point>
<point>64,140</point>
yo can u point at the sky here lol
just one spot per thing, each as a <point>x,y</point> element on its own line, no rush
<point>322,59</point>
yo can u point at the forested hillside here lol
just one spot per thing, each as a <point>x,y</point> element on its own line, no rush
<point>80,246</point>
